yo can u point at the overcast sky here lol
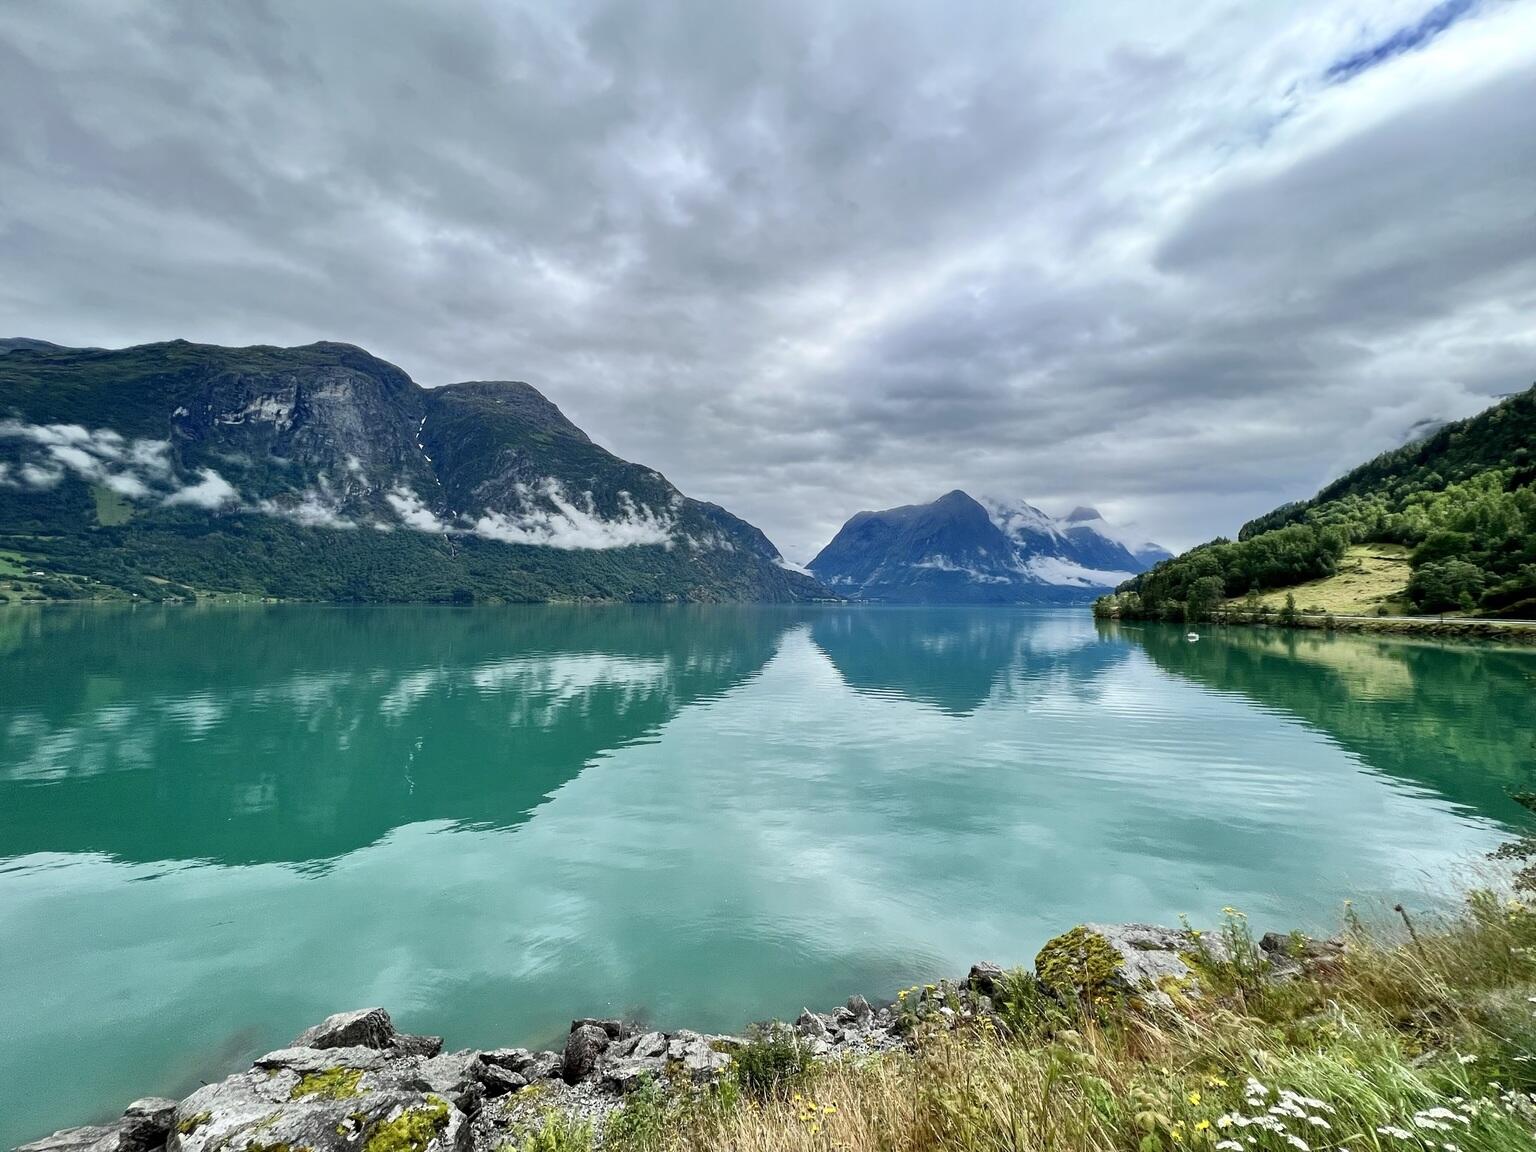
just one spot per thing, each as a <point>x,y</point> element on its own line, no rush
<point>1179,261</point>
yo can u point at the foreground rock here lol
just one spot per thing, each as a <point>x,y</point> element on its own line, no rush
<point>354,1084</point>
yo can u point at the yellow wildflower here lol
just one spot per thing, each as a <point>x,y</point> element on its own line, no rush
<point>1202,1125</point>
<point>1194,1097</point>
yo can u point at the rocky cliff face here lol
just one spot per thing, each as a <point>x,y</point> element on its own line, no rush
<point>962,550</point>
<point>289,467</point>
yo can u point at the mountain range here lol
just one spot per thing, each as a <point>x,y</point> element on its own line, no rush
<point>322,472</point>
<point>962,550</point>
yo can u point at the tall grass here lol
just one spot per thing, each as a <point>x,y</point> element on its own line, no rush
<point>1423,1043</point>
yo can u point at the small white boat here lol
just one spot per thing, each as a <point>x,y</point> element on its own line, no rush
<point>1192,637</point>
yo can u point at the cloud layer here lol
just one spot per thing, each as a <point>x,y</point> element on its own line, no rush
<point>809,258</point>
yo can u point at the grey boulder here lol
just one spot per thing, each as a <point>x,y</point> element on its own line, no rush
<point>90,1138</point>
<point>363,1028</point>
<point>629,1073</point>
<point>496,1080</point>
<point>650,1046</point>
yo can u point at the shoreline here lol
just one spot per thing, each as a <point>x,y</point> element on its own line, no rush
<point>1459,628</point>
<point>353,1082</point>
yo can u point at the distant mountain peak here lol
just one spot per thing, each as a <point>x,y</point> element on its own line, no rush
<point>1082,513</point>
<point>991,550</point>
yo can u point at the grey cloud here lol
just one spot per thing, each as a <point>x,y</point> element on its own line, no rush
<point>807,258</point>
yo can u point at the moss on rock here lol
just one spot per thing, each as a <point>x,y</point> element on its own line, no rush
<point>192,1123</point>
<point>412,1131</point>
<point>1079,960</point>
<point>331,1084</point>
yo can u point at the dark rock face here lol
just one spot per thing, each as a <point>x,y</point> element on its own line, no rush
<point>582,1048</point>
<point>985,978</point>
<point>147,1124</point>
<point>1293,956</point>
<point>496,1080</point>
<point>418,1045</point>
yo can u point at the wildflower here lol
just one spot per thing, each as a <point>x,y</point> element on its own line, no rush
<point>1202,1125</point>
<point>1194,1097</point>
<point>1228,1146</point>
<point>1215,1082</point>
<point>902,995</point>
<point>1395,1132</point>
<point>1309,1101</point>
<point>1298,1143</point>
<point>1469,1058</point>
<point>1318,1122</point>
<point>1231,911</point>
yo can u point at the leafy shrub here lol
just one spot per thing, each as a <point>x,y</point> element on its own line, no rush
<point>770,1062</point>
<point>641,1123</point>
<point>559,1133</point>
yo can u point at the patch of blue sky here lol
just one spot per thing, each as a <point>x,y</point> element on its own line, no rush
<point>1405,39</point>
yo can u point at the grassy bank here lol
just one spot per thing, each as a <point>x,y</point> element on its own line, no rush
<point>1370,578</point>
<point>1399,1043</point>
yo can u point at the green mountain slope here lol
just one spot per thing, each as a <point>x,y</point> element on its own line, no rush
<point>1463,500</point>
<point>325,473</point>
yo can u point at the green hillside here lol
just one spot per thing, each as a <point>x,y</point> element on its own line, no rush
<point>175,470</point>
<point>1463,502</point>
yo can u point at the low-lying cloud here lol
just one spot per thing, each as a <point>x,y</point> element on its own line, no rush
<point>211,491</point>
<point>131,468</point>
<point>547,516</point>
<point>566,524</point>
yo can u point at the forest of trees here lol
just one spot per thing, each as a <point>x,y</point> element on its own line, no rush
<point>1463,501</point>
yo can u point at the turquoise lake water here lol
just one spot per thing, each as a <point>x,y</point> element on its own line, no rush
<point>219,825</point>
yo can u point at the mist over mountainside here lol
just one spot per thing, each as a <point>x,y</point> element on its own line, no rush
<point>962,550</point>
<point>322,472</point>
